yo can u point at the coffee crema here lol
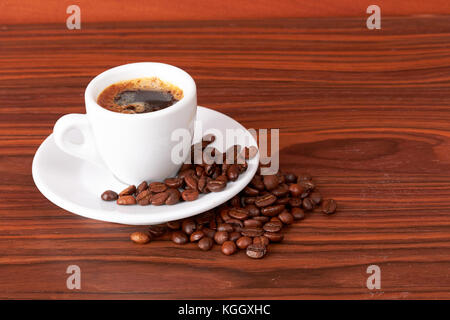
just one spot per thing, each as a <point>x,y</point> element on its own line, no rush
<point>140,95</point>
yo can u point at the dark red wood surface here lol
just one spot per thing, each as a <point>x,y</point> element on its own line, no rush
<point>366,113</point>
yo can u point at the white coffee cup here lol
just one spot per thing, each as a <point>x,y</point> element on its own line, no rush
<point>134,147</point>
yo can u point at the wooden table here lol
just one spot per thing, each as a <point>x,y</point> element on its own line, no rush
<point>365,112</point>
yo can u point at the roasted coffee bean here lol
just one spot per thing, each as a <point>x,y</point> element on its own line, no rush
<point>233,172</point>
<point>265,200</point>
<point>281,191</point>
<point>295,202</point>
<point>249,200</point>
<point>184,173</point>
<point>256,251</point>
<point>235,223</point>
<point>263,219</point>
<point>201,185</point>
<point>281,178</point>
<point>252,210</point>
<point>196,235</point>
<point>252,232</point>
<point>174,225</point>
<point>109,195</point>
<point>141,187</point>
<point>221,236</point>
<point>235,202</point>
<point>199,171</point>
<point>257,183</point>
<point>307,204</point>
<point>286,217</point>
<point>217,173</point>
<point>223,178</point>
<point>244,242</point>
<point>234,236</point>
<point>126,200</point>
<point>128,191</point>
<point>189,195</point>
<point>205,244</point>
<point>307,185</point>
<point>261,240</point>
<point>304,195</point>
<point>251,192</point>
<point>243,167</point>
<point>159,199</point>
<point>282,200</point>
<point>316,197</point>
<point>272,211</point>
<point>296,190</point>
<point>304,177</point>
<point>238,213</point>
<point>228,248</point>
<point>191,182</point>
<point>174,196</point>
<point>216,185</point>
<point>204,217</point>
<point>223,213</point>
<point>145,201</point>
<point>174,182</point>
<point>298,213</point>
<point>157,187</point>
<point>185,166</point>
<point>179,237</point>
<point>140,237</point>
<point>252,223</point>
<point>329,206</point>
<point>270,181</point>
<point>290,177</point>
<point>273,226</point>
<point>225,227</point>
<point>275,218</point>
<point>209,232</point>
<point>157,230</point>
<point>274,236</point>
<point>144,194</point>
<point>188,226</point>
<point>249,152</point>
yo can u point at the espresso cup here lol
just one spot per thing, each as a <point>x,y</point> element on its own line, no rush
<point>133,147</point>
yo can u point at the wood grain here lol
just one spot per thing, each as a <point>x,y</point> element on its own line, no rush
<point>365,112</point>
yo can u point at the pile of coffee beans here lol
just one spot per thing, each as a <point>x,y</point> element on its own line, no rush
<point>249,221</point>
<point>207,174</point>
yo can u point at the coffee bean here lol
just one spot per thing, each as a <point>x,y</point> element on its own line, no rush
<point>233,172</point>
<point>256,251</point>
<point>252,210</point>
<point>296,189</point>
<point>249,200</point>
<point>174,182</point>
<point>144,194</point>
<point>234,236</point>
<point>209,232</point>
<point>174,196</point>
<point>274,236</point>
<point>188,226</point>
<point>159,199</point>
<point>126,200</point>
<point>263,219</point>
<point>174,225</point>
<point>216,185</point>
<point>201,186</point>
<point>157,230</point>
<point>286,217</point>
<point>249,152</point>
<point>316,197</point>
<point>238,213</point>
<point>205,244</point>
<point>282,201</point>
<point>225,227</point>
<point>295,202</point>
<point>261,240</point>
<point>270,182</point>
<point>297,213</point>
<point>307,185</point>
<point>281,191</point>
<point>307,204</point>
<point>244,242</point>
<point>228,248</point>
<point>249,191</point>
<point>329,206</point>
<point>290,177</point>
<point>141,187</point>
<point>223,213</point>
<point>304,177</point>
<point>157,187</point>
<point>273,226</point>
<point>179,237</point>
<point>145,201</point>
<point>252,232</point>
<point>140,237</point>
<point>128,191</point>
<point>196,235</point>
<point>184,173</point>
<point>221,236</point>
<point>252,223</point>
<point>189,195</point>
<point>191,182</point>
<point>257,183</point>
<point>265,200</point>
<point>235,223</point>
<point>235,202</point>
<point>109,195</point>
<point>272,211</point>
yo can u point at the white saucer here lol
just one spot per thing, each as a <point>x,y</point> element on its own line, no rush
<point>76,185</point>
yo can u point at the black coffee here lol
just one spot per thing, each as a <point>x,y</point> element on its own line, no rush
<point>139,96</point>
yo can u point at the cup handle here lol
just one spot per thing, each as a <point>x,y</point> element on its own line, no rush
<point>85,150</point>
